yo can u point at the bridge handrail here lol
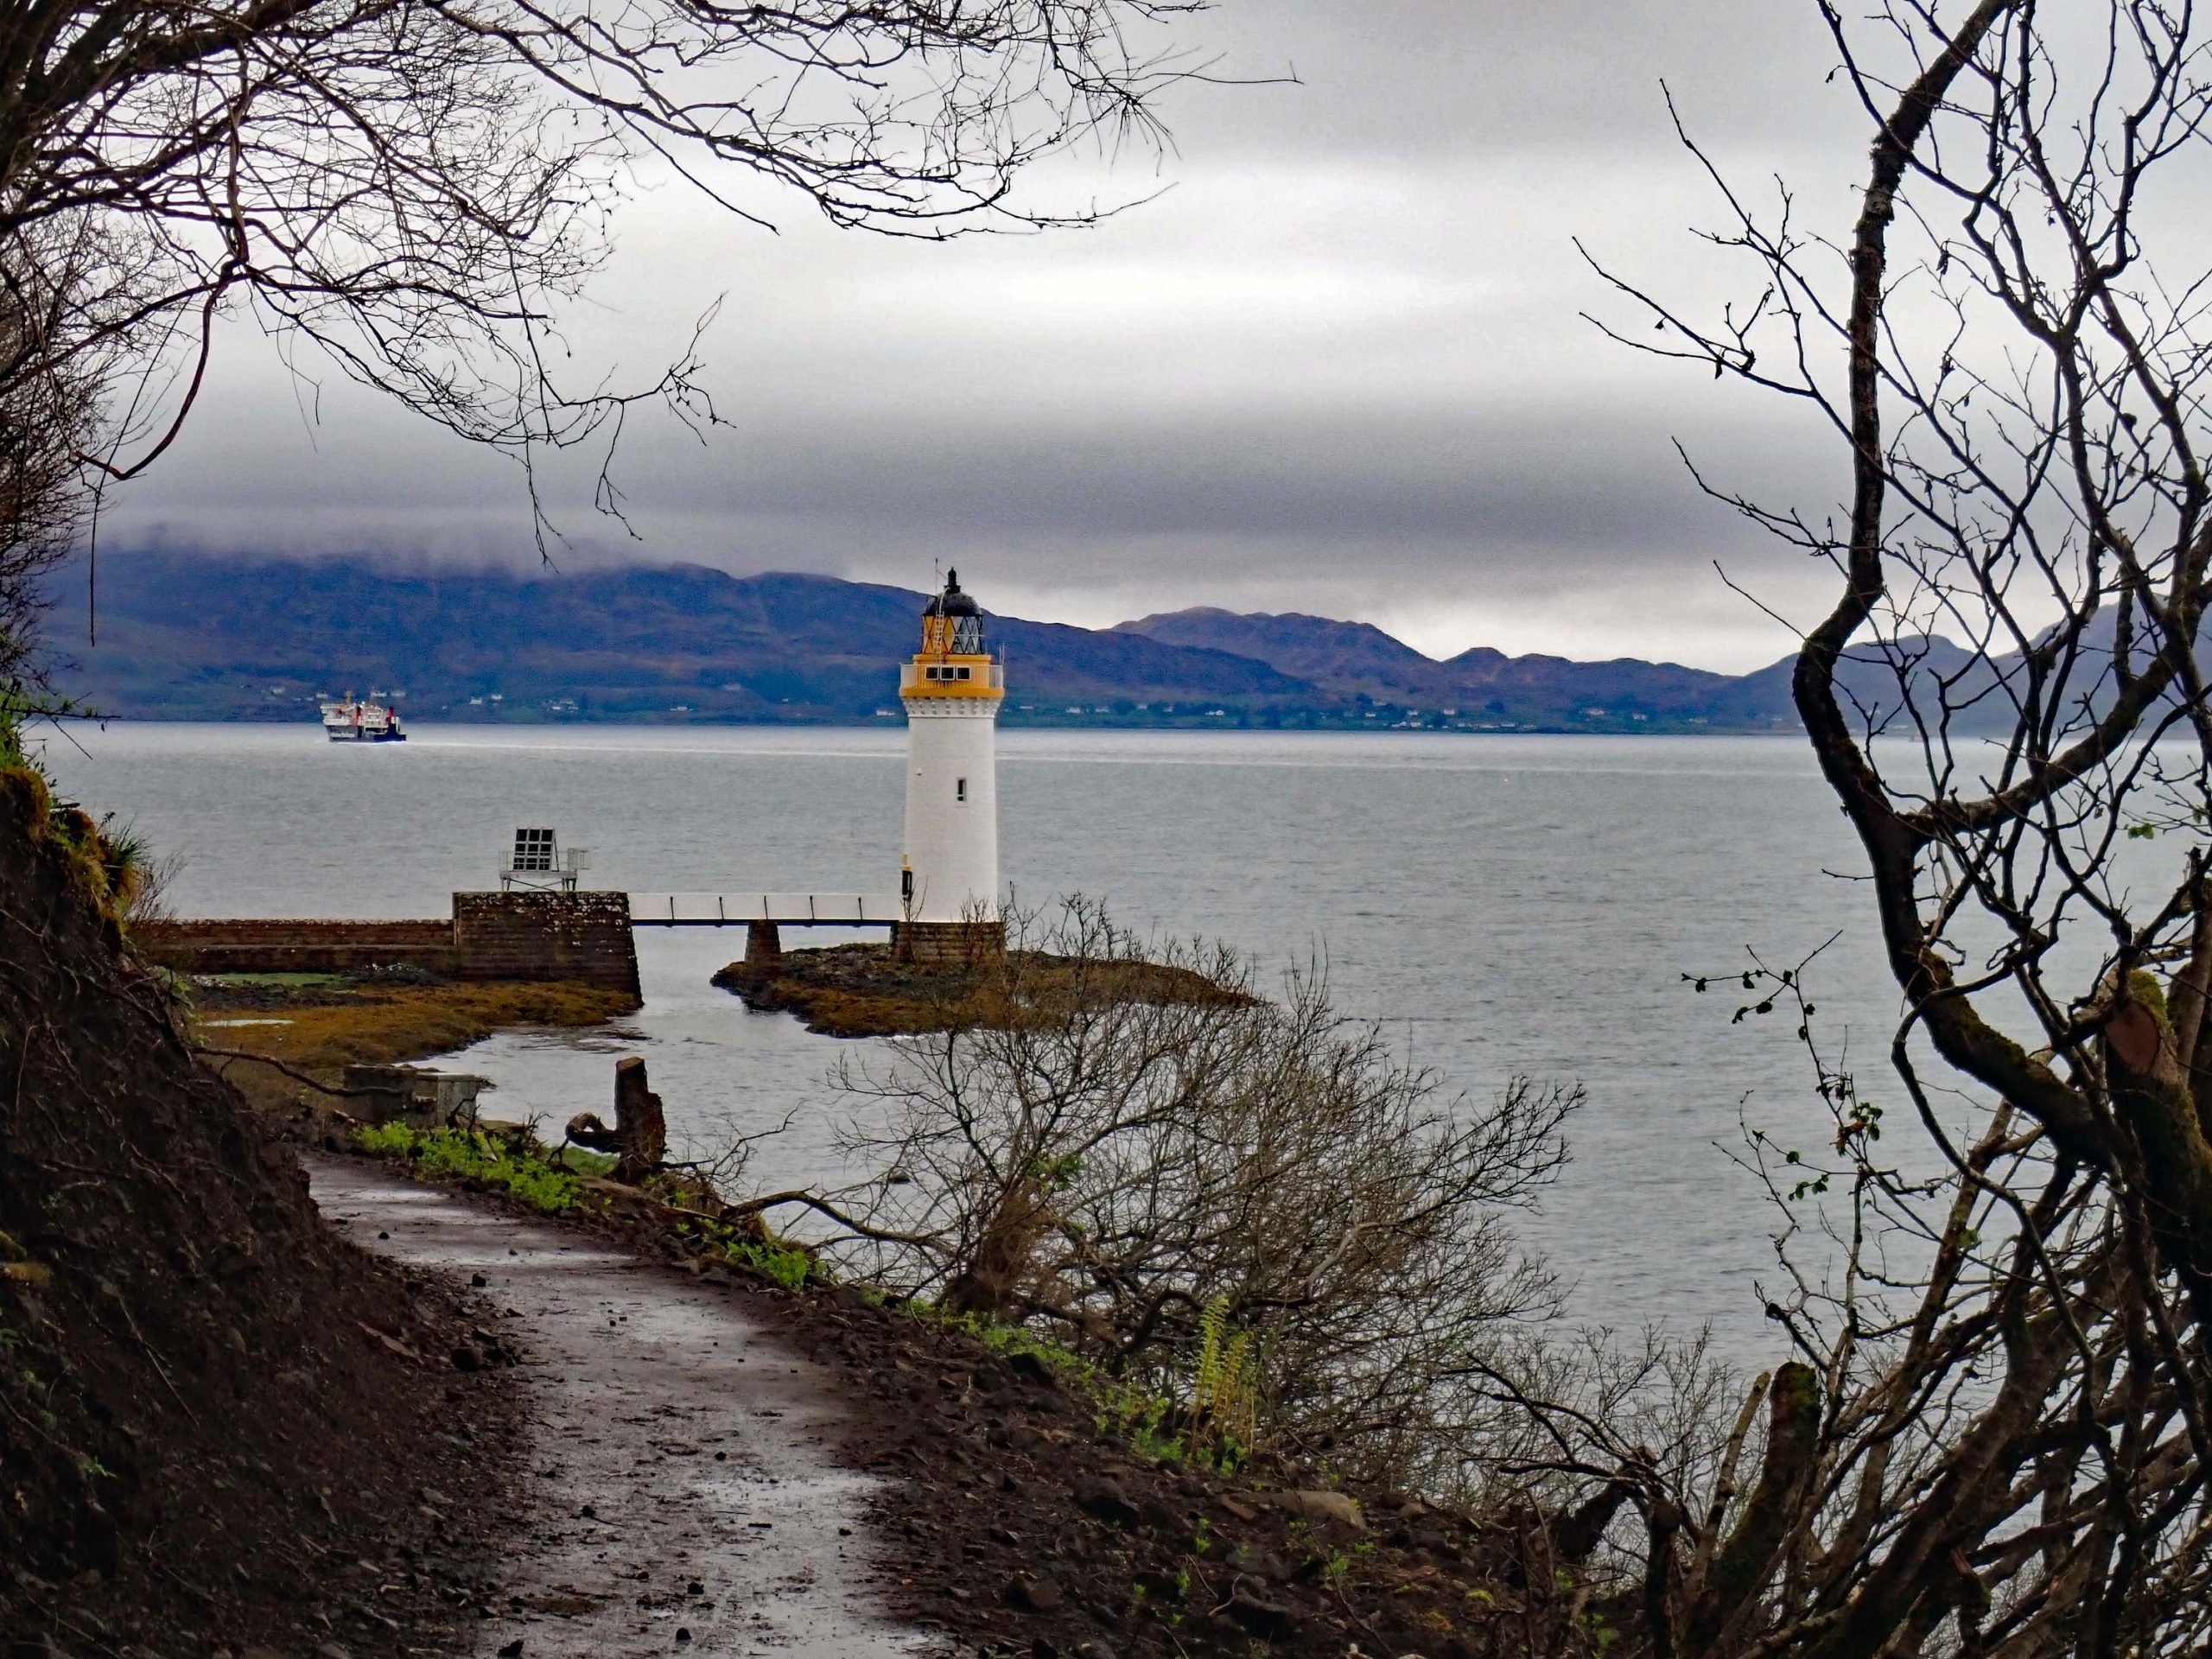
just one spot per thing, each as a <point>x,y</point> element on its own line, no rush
<point>734,908</point>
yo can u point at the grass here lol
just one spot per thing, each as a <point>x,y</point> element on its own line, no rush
<point>219,983</point>
<point>469,1155</point>
<point>381,1024</point>
<point>553,1182</point>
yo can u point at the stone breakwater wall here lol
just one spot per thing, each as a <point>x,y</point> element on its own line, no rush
<point>583,937</point>
<point>295,946</point>
<point>579,939</point>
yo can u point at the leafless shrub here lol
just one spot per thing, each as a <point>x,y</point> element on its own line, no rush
<point>1991,1424</point>
<point>49,416</point>
<point>1175,1185</point>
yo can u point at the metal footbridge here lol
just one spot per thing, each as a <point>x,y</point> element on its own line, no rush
<point>775,909</point>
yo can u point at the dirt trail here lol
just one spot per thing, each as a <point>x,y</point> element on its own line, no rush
<point>682,1494</point>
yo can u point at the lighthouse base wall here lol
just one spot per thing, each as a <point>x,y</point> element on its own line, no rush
<point>965,945</point>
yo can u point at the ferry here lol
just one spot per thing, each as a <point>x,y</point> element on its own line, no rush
<point>348,721</point>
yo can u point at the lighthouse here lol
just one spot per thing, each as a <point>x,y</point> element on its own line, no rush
<point>948,876</point>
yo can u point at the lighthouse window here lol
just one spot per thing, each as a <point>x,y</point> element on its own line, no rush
<point>960,791</point>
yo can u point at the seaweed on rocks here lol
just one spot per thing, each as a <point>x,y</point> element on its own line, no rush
<point>867,990</point>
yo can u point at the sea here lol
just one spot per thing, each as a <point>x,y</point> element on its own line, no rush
<point>1501,906</point>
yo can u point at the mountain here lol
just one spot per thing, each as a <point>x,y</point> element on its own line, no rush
<point>1482,685</point>
<point>190,637</point>
<point>1874,685</point>
<point>1347,658</point>
<point>185,636</point>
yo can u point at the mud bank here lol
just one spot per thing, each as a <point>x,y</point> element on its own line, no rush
<point>319,1024</point>
<point>683,1490</point>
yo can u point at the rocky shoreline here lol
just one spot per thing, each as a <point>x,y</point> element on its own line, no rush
<point>866,990</point>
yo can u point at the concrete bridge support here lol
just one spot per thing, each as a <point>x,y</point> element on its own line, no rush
<point>764,947</point>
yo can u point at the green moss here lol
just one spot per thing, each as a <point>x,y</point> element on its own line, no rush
<point>1747,1557</point>
<point>2143,987</point>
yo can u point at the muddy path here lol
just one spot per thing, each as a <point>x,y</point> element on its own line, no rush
<point>683,1493</point>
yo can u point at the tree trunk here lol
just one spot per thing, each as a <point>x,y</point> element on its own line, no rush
<point>639,1129</point>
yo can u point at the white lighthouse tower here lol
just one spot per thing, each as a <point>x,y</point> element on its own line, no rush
<point>949,879</point>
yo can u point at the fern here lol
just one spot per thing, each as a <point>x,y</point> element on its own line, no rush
<point>1225,1387</point>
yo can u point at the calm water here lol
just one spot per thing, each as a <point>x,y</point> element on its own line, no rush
<point>1506,904</point>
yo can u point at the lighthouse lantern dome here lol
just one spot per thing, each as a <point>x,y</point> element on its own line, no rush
<point>953,623</point>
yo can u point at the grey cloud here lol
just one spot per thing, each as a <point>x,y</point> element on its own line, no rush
<point>1339,368</point>
<point>1582,485</point>
<point>1431,78</point>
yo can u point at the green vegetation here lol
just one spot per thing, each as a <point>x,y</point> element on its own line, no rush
<point>1154,1426</point>
<point>278,981</point>
<point>1214,1430</point>
<point>1225,1393</point>
<point>111,864</point>
<point>792,1266</point>
<point>552,1181</point>
<point>865,990</point>
<point>526,1171</point>
<point>332,1021</point>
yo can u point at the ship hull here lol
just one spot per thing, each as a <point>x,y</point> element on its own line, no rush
<point>352,722</point>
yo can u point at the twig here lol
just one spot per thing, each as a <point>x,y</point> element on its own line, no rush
<point>295,1075</point>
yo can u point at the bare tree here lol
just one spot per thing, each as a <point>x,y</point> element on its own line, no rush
<point>1247,1206</point>
<point>49,415</point>
<point>413,186</point>
<point>1991,1429</point>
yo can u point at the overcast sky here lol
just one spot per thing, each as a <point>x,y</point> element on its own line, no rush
<point>1339,368</point>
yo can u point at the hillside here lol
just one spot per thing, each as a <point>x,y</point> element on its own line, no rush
<point>193,637</point>
<point>190,638</point>
<point>1483,685</point>
<point>205,1396</point>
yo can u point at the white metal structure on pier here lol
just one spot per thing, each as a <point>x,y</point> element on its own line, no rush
<point>783,909</point>
<point>538,864</point>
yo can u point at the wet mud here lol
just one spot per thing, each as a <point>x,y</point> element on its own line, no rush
<point>681,1492</point>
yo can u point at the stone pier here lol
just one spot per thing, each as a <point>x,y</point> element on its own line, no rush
<point>577,937</point>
